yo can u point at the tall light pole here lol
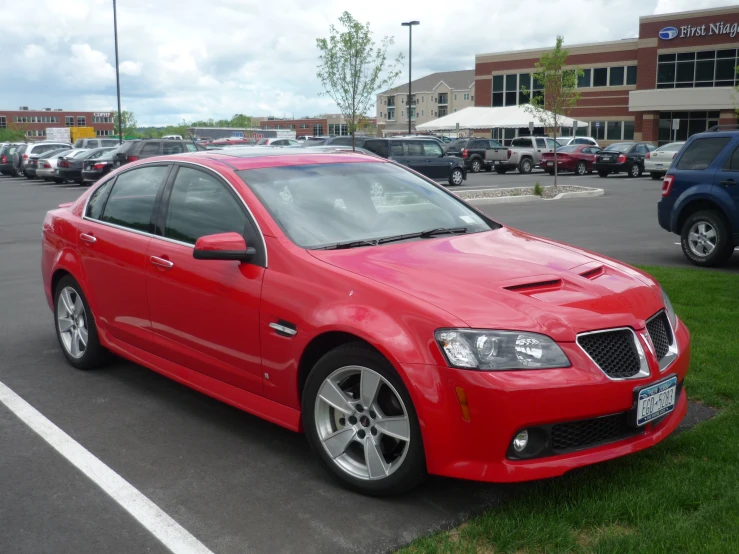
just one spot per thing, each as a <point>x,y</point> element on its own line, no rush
<point>117,76</point>
<point>410,25</point>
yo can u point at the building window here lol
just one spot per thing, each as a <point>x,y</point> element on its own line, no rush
<point>455,96</point>
<point>613,130</point>
<point>442,112</point>
<point>103,132</point>
<point>600,77</point>
<point>80,121</point>
<point>69,120</point>
<point>402,99</point>
<point>629,130</point>
<point>391,102</point>
<point>303,125</point>
<point>292,126</point>
<point>616,77</point>
<point>690,124</point>
<point>421,113</point>
<point>423,99</point>
<point>3,122</point>
<point>317,130</point>
<point>598,130</point>
<point>443,98</point>
<point>402,114</point>
<point>631,75</point>
<point>391,114</point>
<point>472,98</point>
<point>707,68</point>
<point>498,94</point>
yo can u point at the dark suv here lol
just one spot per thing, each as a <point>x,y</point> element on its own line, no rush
<point>138,149</point>
<point>472,151</point>
<point>424,156</point>
<point>700,196</point>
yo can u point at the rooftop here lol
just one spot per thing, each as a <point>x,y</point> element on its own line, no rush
<point>455,80</point>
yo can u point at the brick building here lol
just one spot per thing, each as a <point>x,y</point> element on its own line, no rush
<point>35,122</point>
<point>683,67</point>
<point>330,124</point>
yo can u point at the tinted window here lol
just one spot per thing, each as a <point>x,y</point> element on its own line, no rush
<point>415,147</point>
<point>521,143</point>
<point>150,149</point>
<point>674,147</point>
<point>432,149</point>
<point>97,201</point>
<point>200,206</point>
<point>92,144</point>
<point>732,164</point>
<point>396,148</point>
<point>551,143</point>
<point>190,147</point>
<point>109,142</point>
<point>132,199</point>
<point>379,147</point>
<point>619,147</point>
<point>343,141</point>
<point>541,143</point>
<point>641,149</point>
<point>600,77</point>
<point>701,153</point>
<point>173,148</point>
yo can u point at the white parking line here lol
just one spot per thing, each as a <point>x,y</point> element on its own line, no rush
<point>158,523</point>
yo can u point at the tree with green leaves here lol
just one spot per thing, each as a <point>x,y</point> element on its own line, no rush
<point>559,94</point>
<point>127,123</point>
<point>352,68</point>
<point>12,134</point>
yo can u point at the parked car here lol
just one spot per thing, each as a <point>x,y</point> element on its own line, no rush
<point>16,169</point>
<point>623,157</point>
<point>33,162</point>
<point>700,196</point>
<point>6,158</point>
<point>277,142</point>
<point>424,156</point>
<point>95,169</point>
<point>38,149</point>
<point>232,142</point>
<point>400,359</point>
<point>341,141</point>
<point>586,141</point>
<point>172,137</point>
<point>524,154</point>
<point>576,157</point>
<point>48,165</point>
<point>96,143</point>
<point>69,168</point>
<point>658,162</point>
<point>474,152</point>
<point>140,149</point>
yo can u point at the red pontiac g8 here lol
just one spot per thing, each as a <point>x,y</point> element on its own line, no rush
<point>349,298</point>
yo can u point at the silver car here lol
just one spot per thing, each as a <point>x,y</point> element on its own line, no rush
<point>47,166</point>
<point>658,162</point>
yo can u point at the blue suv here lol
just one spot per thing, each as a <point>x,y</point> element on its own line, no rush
<point>700,196</point>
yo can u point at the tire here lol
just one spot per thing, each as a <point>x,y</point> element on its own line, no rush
<point>551,172</point>
<point>602,174</point>
<point>340,374</point>
<point>488,168</point>
<point>706,239</point>
<point>525,166</point>
<point>93,354</point>
<point>634,171</point>
<point>29,177</point>
<point>581,169</point>
<point>500,170</point>
<point>655,176</point>
<point>456,177</point>
<point>476,165</point>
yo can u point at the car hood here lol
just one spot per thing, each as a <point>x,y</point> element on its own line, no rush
<point>507,279</point>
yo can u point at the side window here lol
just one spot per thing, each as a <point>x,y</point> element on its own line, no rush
<point>396,149</point>
<point>199,206</point>
<point>190,147</point>
<point>97,200</point>
<point>131,201</point>
<point>732,164</point>
<point>415,148</point>
<point>541,143</point>
<point>551,143</point>
<point>432,149</point>
<point>150,149</point>
<point>641,149</point>
<point>379,147</point>
<point>701,153</point>
<point>92,144</point>
<point>174,147</point>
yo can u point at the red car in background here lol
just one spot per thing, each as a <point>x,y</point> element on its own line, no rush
<point>578,158</point>
<point>347,297</point>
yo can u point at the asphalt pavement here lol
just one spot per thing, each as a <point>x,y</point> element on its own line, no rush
<point>235,482</point>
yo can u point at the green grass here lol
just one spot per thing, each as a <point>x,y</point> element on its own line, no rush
<point>680,496</point>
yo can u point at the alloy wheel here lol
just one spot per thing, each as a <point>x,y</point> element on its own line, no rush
<point>362,423</point>
<point>702,239</point>
<point>581,168</point>
<point>457,177</point>
<point>476,166</point>
<point>635,170</point>
<point>72,322</point>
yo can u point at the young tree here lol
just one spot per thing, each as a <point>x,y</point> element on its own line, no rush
<point>351,68</point>
<point>127,123</point>
<point>560,92</point>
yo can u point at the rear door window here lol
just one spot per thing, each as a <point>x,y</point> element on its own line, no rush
<point>415,147</point>
<point>396,149</point>
<point>521,143</point>
<point>174,147</point>
<point>732,163</point>
<point>541,143</point>
<point>132,199</point>
<point>379,147</point>
<point>699,155</point>
<point>432,150</point>
<point>150,149</point>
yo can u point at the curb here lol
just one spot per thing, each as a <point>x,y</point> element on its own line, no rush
<point>532,198</point>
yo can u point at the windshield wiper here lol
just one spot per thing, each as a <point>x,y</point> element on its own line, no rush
<point>348,244</point>
<point>425,234</point>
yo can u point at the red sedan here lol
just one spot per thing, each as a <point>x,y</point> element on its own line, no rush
<point>349,298</point>
<point>577,157</point>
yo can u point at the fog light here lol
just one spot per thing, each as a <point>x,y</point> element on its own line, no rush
<point>520,441</point>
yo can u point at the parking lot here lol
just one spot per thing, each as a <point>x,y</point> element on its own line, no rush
<point>235,482</point>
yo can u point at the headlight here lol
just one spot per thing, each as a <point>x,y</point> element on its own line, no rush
<point>499,350</point>
<point>670,310</point>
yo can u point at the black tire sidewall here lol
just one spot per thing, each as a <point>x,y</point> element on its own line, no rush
<point>451,177</point>
<point>724,245</point>
<point>413,470</point>
<point>94,351</point>
<point>473,163</point>
<point>602,174</point>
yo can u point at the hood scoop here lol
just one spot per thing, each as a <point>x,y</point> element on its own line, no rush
<point>536,287</point>
<point>593,273</point>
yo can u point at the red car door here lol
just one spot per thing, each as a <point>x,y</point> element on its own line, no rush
<point>113,240</point>
<point>205,312</point>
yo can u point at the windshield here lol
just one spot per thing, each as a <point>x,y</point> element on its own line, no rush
<point>674,147</point>
<point>324,204</point>
<point>619,147</point>
<point>567,148</point>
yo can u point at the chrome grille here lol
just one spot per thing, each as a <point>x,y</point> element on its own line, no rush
<point>613,351</point>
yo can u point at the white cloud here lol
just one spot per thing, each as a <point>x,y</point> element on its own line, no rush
<point>198,60</point>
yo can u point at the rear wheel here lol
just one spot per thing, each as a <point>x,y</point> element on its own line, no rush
<point>581,169</point>
<point>456,177</point>
<point>476,165</point>
<point>602,174</point>
<point>655,176</point>
<point>500,170</point>
<point>525,166</point>
<point>29,177</point>
<point>706,239</point>
<point>634,170</point>
<point>550,171</point>
<point>360,421</point>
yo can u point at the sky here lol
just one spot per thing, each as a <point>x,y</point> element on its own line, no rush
<point>201,59</point>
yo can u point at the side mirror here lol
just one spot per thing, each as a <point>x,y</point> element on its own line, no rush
<point>223,246</point>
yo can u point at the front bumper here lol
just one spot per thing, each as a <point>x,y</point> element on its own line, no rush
<point>503,403</point>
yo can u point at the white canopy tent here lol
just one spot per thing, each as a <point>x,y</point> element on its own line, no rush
<point>489,118</point>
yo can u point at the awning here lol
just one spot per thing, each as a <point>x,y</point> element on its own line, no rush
<point>490,118</point>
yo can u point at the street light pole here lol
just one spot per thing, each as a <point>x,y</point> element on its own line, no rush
<point>410,25</point>
<point>117,75</point>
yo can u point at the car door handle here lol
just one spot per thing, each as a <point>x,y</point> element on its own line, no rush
<point>160,262</point>
<point>89,239</point>
<point>728,182</point>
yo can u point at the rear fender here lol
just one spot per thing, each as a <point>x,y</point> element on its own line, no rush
<point>696,193</point>
<point>727,203</point>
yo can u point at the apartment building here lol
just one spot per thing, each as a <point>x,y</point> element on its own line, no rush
<point>35,122</point>
<point>328,124</point>
<point>434,96</point>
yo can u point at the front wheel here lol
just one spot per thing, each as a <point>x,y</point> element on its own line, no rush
<point>475,166</point>
<point>456,177</point>
<point>525,166</point>
<point>655,176</point>
<point>360,421</point>
<point>602,174</point>
<point>706,239</point>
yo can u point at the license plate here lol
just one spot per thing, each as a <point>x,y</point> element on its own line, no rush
<point>655,401</point>
<point>550,163</point>
<point>607,159</point>
<point>659,165</point>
